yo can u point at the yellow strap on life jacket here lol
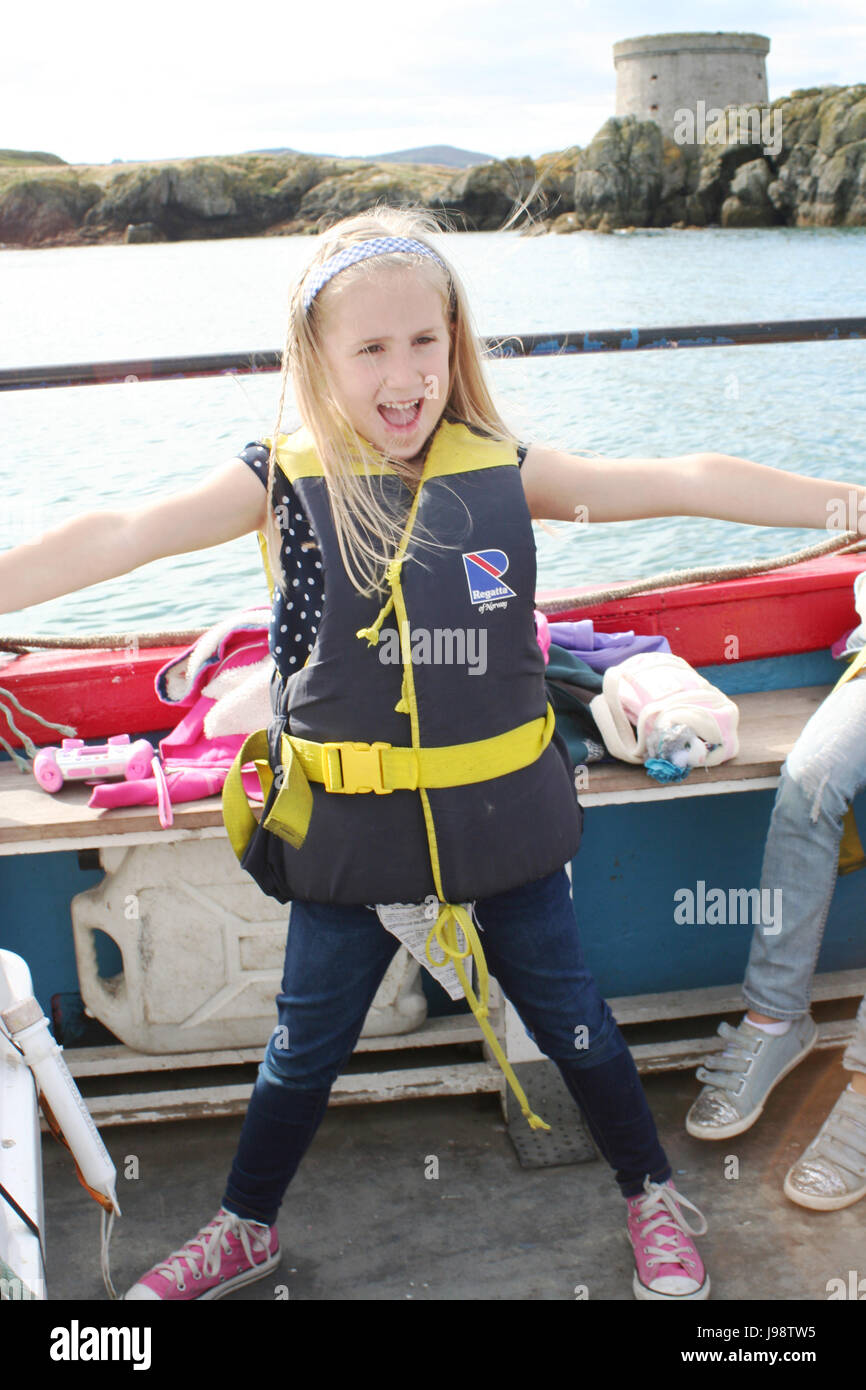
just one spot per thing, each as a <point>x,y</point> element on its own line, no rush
<point>358,768</point>
<point>444,932</point>
<point>453,914</point>
<point>238,817</point>
<point>854,669</point>
<point>289,817</point>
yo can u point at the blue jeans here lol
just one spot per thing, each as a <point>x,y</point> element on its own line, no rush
<point>335,960</point>
<point>824,772</point>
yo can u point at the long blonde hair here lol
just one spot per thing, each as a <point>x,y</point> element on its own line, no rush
<point>368,527</point>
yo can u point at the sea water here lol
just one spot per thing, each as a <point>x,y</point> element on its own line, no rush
<point>69,450</point>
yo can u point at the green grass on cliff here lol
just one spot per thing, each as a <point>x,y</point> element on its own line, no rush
<point>26,157</point>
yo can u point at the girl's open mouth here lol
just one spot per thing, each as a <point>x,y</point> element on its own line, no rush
<point>401,415</point>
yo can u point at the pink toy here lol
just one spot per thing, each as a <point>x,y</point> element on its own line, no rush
<point>542,632</point>
<point>76,761</point>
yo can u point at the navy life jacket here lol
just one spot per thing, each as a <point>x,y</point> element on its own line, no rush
<point>463,611</point>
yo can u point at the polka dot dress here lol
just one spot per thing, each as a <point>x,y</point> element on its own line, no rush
<point>295,619</point>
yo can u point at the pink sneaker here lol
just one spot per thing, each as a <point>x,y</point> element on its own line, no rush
<point>227,1253</point>
<point>668,1265</point>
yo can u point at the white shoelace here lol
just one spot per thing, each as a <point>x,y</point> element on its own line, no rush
<point>209,1241</point>
<point>665,1205</point>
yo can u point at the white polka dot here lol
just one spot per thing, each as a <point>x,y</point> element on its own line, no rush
<point>293,659</point>
<point>284,628</point>
<point>297,637</point>
<point>291,532</point>
<point>298,516</point>
<point>303,615</point>
<point>290,605</point>
<point>315,629</point>
<point>318,613</point>
<point>311,581</point>
<point>285,499</point>
<point>295,583</point>
<point>278,650</point>
<point>318,564</point>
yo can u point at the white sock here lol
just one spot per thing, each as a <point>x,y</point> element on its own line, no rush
<point>777,1029</point>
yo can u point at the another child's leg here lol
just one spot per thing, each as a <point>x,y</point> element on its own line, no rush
<point>832,1171</point>
<point>335,960</point>
<point>824,772</point>
<point>531,941</point>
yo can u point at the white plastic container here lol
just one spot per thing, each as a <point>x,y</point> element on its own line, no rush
<point>202,950</point>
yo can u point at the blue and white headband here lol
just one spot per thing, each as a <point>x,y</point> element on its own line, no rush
<point>361,251</point>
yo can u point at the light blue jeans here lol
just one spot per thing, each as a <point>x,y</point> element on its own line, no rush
<point>825,770</point>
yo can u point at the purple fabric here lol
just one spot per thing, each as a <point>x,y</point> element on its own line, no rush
<point>602,649</point>
<point>841,649</point>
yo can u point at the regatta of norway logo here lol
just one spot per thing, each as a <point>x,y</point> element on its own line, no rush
<point>484,571</point>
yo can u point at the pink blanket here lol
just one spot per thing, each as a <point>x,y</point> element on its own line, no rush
<point>223,681</point>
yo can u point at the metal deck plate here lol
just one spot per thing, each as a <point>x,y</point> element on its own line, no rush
<point>569,1141</point>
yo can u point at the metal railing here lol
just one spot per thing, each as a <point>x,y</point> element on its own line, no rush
<point>515,345</point>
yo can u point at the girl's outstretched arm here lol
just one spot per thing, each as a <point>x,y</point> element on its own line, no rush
<point>103,545</point>
<point>564,487</point>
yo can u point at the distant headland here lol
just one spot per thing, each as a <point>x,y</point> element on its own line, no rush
<point>799,161</point>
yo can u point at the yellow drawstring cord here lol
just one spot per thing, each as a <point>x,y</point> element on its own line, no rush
<point>444,931</point>
<point>392,574</point>
<point>451,915</point>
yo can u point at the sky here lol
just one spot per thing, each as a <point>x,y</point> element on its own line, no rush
<point>173,78</point>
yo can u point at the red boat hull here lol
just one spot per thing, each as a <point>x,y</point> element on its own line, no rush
<point>802,608</point>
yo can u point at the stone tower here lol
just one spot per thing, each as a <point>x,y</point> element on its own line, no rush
<point>661,74</point>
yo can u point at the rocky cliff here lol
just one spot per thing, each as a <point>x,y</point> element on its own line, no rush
<point>805,167</point>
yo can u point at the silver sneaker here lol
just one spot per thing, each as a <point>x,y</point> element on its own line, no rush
<point>739,1079</point>
<point>832,1172</point>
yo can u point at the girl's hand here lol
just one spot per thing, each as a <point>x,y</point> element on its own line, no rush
<point>103,545</point>
<point>564,487</point>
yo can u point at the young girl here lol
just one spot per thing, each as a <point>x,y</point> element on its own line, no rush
<point>403,509</point>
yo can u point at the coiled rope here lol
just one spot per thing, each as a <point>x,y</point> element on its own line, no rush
<point>121,641</point>
<point>847,544</point>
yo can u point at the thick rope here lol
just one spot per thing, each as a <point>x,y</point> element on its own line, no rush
<point>847,543</point>
<point>111,640</point>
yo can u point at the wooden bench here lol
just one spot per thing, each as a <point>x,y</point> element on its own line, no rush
<point>32,822</point>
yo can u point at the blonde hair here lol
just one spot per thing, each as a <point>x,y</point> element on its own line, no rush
<point>368,527</point>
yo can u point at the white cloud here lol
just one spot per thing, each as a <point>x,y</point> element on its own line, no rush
<point>168,79</point>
